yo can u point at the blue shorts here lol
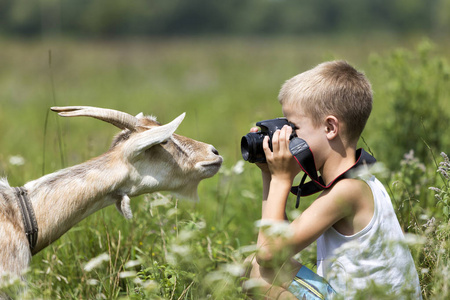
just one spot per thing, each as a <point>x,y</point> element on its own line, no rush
<point>310,286</point>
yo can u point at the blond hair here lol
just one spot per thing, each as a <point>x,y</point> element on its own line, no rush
<point>332,88</point>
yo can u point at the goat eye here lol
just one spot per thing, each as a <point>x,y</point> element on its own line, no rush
<point>164,143</point>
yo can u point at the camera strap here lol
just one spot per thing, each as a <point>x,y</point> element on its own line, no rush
<point>305,158</point>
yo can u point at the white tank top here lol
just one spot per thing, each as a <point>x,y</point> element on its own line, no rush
<point>377,253</point>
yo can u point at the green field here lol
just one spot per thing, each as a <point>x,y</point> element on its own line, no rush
<point>184,250</point>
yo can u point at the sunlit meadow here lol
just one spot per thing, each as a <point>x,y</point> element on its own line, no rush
<point>176,249</point>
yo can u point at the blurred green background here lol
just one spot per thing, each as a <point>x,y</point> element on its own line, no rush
<point>118,18</point>
<point>221,62</point>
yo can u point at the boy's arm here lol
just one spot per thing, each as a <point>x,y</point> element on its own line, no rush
<point>266,179</point>
<point>325,211</point>
<point>278,174</point>
<point>330,207</point>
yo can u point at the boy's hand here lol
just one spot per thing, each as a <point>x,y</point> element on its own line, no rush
<point>281,163</point>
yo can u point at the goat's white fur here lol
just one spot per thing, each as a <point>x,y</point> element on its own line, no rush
<point>135,164</point>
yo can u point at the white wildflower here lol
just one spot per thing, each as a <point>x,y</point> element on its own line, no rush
<point>16,160</point>
<point>181,250</point>
<point>263,223</point>
<point>96,261</point>
<point>215,276</point>
<point>225,273</point>
<point>200,225</point>
<point>437,190</point>
<point>253,283</point>
<point>445,157</point>
<point>366,171</point>
<point>60,277</point>
<point>248,249</point>
<point>127,274</point>
<point>147,284</point>
<point>444,172</point>
<point>171,212</point>
<point>293,214</point>
<point>160,202</point>
<point>132,263</point>
<point>92,282</point>
<point>423,217</point>
<point>234,269</point>
<point>409,156</point>
<point>248,194</point>
<point>100,296</point>
<point>238,168</point>
<point>277,228</point>
<point>430,222</point>
<point>414,239</point>
<point>185,235</point>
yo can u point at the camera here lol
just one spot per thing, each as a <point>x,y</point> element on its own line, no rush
<point>252,143</point>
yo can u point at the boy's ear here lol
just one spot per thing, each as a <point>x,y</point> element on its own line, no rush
<point>331,127</point>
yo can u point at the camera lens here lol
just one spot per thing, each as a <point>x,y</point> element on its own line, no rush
<point>244,148</point>
<point>251,147</point>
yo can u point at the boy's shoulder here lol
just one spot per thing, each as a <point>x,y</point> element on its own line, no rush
<point>355,199</point>
<point>346,194</point>
<point>348,188</point>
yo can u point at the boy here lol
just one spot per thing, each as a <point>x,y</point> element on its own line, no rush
<point>359,239</point>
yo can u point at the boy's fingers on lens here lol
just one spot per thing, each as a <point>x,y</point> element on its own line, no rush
<point>281,134</point>
<point>254,129</point>
<point>288,130</point>
<point>267,152</point>
<point>266,144</point>
<point>275,141</point>
<point>284,136</point>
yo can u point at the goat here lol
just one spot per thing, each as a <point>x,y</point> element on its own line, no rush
<point>144,157</point>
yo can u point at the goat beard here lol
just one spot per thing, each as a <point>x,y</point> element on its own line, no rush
<point>123,206</point>
<point>188,192</point>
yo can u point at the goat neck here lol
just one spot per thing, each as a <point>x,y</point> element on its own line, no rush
<point>64,198</point>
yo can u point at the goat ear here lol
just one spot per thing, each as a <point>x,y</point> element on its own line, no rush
<point>157,135</point>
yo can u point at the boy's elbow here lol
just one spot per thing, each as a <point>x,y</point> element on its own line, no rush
<point>263,256</point>
<point>269,257</point>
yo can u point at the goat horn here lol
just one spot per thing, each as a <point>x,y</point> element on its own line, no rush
<point>117,118</point>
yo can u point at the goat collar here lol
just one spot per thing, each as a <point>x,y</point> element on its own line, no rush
<point>29,219</point>
<point>305,158</point>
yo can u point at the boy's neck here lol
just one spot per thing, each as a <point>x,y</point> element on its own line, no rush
<point>337,163</point>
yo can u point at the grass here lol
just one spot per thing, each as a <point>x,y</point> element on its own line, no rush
<point>173,249</point>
